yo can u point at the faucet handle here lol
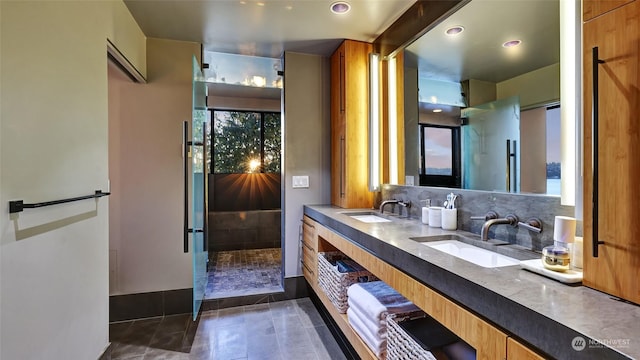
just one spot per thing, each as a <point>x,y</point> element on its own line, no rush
<point>490,215</point>
<point>532,224</point>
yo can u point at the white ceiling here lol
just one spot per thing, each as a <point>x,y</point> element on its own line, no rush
<point>308,26</point>
<point>248,28</point>
<point>477,53</point>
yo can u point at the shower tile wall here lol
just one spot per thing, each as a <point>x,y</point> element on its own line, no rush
<point>477,203</point>
<point>243,230</point>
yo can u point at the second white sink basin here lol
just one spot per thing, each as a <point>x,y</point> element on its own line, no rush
<point>473,254</point>
<point>369,218</point>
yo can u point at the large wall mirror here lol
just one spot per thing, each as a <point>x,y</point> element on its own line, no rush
<point>482,99</point>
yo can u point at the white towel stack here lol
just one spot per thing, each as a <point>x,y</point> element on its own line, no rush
<point>369,304</point>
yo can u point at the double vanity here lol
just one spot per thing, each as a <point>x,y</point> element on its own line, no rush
<point>475,288</point>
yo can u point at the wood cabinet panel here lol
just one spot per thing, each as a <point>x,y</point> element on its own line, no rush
<point>617,268</point>
<point>349,125</point>
<point>518,351</point>
<point>594,8</point>
<point>489,342</point>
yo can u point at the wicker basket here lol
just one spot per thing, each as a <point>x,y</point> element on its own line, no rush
<point>401,346</point>
<point>334,283</point>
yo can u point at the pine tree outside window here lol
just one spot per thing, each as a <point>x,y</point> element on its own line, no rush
<point>246,142</point>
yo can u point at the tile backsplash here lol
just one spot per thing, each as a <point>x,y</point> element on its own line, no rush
<point>477,203</point>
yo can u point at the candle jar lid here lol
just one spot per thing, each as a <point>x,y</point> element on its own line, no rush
<point>556,258</point>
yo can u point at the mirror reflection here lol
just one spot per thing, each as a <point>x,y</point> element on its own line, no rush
<point>482,97</point>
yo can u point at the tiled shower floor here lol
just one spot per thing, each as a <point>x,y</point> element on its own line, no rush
<point>244,272</point>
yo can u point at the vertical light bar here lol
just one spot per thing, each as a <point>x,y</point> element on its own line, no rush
<point>570,52</point>
<point>393,122</point>
<point>374,122</point>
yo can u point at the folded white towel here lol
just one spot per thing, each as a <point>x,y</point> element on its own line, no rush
<point>377,300</point>
<point>378,328</point>
<point>377,345</point>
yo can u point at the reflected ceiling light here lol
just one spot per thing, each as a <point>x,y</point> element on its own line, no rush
<point>340,7</point>
<point>454,30</point>
<point>288,7</point>
<point>512,43</point>
<point>437,110</point>
<point>259,81</point>
<point>260,3</point>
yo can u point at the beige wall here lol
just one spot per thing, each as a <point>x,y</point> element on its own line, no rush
<point>54,144</point>
<point>479,92</point>
<point>146,172</point>
<point>306,145</point>
<point>533,151</point>
<point>121,27</point>
<point>535,88</point>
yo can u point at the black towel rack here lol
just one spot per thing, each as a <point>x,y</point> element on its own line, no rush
<point>19,205</point>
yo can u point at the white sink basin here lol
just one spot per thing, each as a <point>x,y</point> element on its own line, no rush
<point>369,218</point>
<point>470,253</point>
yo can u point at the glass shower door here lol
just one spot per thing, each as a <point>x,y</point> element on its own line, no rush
<point>199,171</point>
<point>491,146</point>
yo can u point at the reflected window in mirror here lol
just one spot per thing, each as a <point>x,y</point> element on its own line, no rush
<point>554,174</point>
<point>440,156</point>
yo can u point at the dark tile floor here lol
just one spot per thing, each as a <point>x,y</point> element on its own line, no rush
<point>284,330</point>
<point>244,272</point>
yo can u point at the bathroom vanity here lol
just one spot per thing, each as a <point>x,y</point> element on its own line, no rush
<point>503,312</point>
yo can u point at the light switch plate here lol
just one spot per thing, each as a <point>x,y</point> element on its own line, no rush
<point>300,182</point>
<point>408,180</point>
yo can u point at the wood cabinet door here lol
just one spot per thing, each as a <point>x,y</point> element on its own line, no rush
<point>337,128</point>
<point>593,8</point>
<point>356,123</point>
<point>616,270</point>
<point>517,351</point>
<point>349,125</point>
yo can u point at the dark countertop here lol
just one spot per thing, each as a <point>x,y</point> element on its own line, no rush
<point>543,312</point>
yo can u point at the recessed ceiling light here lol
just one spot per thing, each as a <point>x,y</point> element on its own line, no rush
<point>454,30</point>
<point>437,110</point>
<point>512,43</point>
<point>340,7</point>
<point>260,3</point>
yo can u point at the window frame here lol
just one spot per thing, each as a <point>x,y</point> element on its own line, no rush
<point>455,179</point>
<point>263,115</point>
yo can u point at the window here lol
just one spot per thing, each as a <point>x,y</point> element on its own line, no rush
<point>246,142</point>
<point>440,155</point>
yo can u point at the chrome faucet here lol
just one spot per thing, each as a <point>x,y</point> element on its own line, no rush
<point>392,201</point>
<point>402,204</point>
<point>508,220</point>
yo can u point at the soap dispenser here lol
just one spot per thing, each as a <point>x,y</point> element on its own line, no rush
<point>425,211</point>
